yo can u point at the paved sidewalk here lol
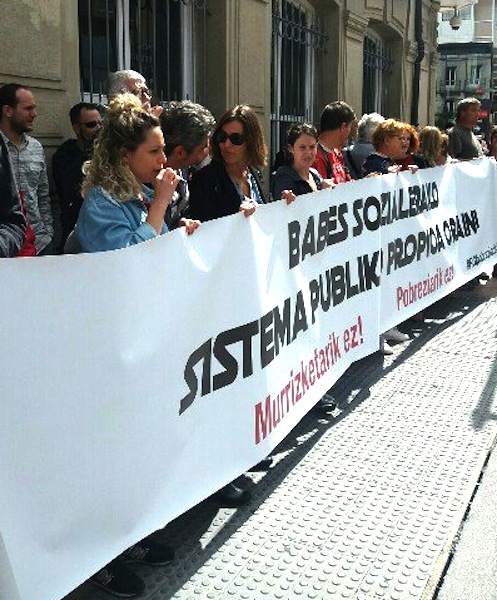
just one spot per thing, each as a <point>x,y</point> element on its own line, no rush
<point>370,501</point>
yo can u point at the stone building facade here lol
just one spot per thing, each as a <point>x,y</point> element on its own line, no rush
<point>286,58</point>
<point>467,61</point>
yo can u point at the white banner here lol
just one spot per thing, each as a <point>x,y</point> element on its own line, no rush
<point>440,230</point>
<point>135,383</point>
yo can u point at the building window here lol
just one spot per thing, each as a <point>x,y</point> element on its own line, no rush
<point>450,76</point>
<point>377,66</point>
<point>450,106</point>
<point>297,38</point>
<point>475,74</point>
<point>97,43</point>
<point>153,37</point>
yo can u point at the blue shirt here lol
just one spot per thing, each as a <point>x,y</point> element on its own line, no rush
<point>105,223</point>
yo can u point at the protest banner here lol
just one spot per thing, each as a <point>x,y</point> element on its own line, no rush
<point>433,227</point>
<point>136,383</point>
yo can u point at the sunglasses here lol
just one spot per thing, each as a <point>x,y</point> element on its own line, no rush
<point>92,124</point>
<point>237,139</point>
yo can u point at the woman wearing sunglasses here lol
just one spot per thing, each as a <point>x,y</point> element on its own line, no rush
<point>230,183</point>
<point>227,185</point>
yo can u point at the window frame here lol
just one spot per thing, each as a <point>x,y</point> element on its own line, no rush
<point>126,48</point>
<point>377,65</point>
<point>450,76</point>
<point>290,34</point>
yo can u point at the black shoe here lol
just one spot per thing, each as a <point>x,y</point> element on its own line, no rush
<point>483,276</point>
<point>231,496</point>
<point>263,465</point>
<point>327,403</point>
<point>118,580</point>
<point>150,552</point>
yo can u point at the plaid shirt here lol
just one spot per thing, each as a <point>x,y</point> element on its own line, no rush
<point>30,173</point>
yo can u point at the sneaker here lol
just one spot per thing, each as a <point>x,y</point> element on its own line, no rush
<point>118,580</point>
<point>150,552</point>
<point>483,276</point>
<point>385,348</point>
<point>394,335</point>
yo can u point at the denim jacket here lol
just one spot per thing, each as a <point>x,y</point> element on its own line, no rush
<point>105,223</point>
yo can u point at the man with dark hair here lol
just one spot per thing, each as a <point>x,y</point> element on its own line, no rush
<point>463,143</point>
<point>186,127</point>
<point>67,162</point>
<point>17,115</point>
<point>12,223</point>
<point>86,122</point>
<point>337,120</point>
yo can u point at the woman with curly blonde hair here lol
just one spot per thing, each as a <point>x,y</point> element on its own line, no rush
<point>119,209</point>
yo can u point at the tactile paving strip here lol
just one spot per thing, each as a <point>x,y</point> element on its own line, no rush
<point>363,503</point>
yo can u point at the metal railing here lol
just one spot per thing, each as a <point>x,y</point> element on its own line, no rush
<point>297,37</point>
<point>377,65</point>
<point>464,85</point>
<point>154,37</point>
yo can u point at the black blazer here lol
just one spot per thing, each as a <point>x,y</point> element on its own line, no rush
<point>213,194</point>
<point>287,178</point>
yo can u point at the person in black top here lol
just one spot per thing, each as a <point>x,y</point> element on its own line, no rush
<point>12,222</point>
<point>230,184</point>
<point>298,177</point>
<point>67,163</point>
<point>231,181</point>
<point>391,144</point>
<point>187,127</point>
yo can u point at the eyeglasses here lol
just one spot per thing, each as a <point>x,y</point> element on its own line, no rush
<point>142,92</point>
<point>237,139</point>
<point>92,124</point>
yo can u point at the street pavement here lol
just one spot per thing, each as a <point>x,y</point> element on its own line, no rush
<point>389,496</point>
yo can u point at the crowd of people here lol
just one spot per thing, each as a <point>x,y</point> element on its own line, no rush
<point>136,170</point>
